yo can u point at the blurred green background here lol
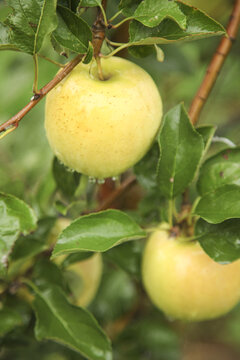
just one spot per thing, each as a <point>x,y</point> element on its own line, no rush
<point>25,164</point>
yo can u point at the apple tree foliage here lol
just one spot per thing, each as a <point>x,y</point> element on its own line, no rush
<point>176,162</point>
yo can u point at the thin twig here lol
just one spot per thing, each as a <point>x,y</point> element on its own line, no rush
<point>14,121</point>
<point>51,61</point>
<point>116,194</point>
<point>216,64</point>
<point>35,82</point>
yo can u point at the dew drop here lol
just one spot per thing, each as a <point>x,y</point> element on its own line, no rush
<point>114,178</point>
<point>92,179</point>
<point>70,170</point>
<point>101,181</point>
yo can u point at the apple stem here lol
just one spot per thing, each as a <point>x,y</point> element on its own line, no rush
<point>98,29</point>
<point>99,66</point>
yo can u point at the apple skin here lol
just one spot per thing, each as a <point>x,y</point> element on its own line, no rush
<point>184,282</point>
<point>84,278</point>
<point>101,128</point>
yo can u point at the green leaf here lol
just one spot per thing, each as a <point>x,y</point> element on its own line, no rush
<point>128,7</point>
<point>66,180</point>
<point>28,246</point>
<point>47,272</point>
<point>29,24</point>
<point>71,4</point>
<point>220,241</point>
<point>5,41</point>
<point>16,218</point>
<point>73,258</point>
<point>181,149</point>
<point>128,257</point>
<point>198,26</point>
<point>221,169</point>
<point>90,3</point>
<point>151,13</point>
<point>25,248</point>
<point>72,32</point>
<point>69,325</point>
<point>89,54</point>
<point>220,205</point>
<point>207,133</point>
<point>146,168</point>
<point>141,51</point>
<point>97,232</point>
<point>60,50</point>
<point>9,319</point>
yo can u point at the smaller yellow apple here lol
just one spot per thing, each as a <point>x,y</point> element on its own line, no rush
<point>83,277</point>
<point>184,282</point>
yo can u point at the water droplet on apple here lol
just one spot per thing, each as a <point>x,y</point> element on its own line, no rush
<point>92,179</point>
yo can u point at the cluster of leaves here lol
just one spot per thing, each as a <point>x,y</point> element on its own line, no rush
<point>179,161</point>
<point>28,25</point>
<point>167,170</point>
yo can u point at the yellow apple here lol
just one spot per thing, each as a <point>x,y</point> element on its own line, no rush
<point>83,277</point>
<point>101,128</point>
<point>184,282</point>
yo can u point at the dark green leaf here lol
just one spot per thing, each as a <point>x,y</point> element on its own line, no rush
<point>72,32</point>
<point>73,258</point>
<point>220,241</point>
<point>151,13</point>
<point>29,24</point>
<point>9,319</point>
<point>25,248</point>
<point>199,25</point>
<point>141,51</point>
<point>67,181</point>
<point>16,218</point>
<point>71,4</point>
<point>97,232</point>
<point>28,246</point>
<point>90,3</point>
<point>146,169</point>
<point>69,325</point>
<point>181,149</point>
<point>128,257</point>
<point>47,272</point>
<point>220,205</point>
<point>221,169</point>
<point>128,7</point>
<point>61,50</point>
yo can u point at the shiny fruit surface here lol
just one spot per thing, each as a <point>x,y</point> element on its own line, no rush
<point>184,282</point>
<point>101,128</point>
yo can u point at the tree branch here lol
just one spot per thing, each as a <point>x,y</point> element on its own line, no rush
<point>117,193</point>
<point>14,121</point>
<point>215,64</point>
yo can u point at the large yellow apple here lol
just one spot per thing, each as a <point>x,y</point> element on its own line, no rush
<point>83,277</point>
<point>101,128</point>
<point>184,282</point>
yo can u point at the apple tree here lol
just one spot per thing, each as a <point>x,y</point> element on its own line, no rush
<point>128,224</point>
